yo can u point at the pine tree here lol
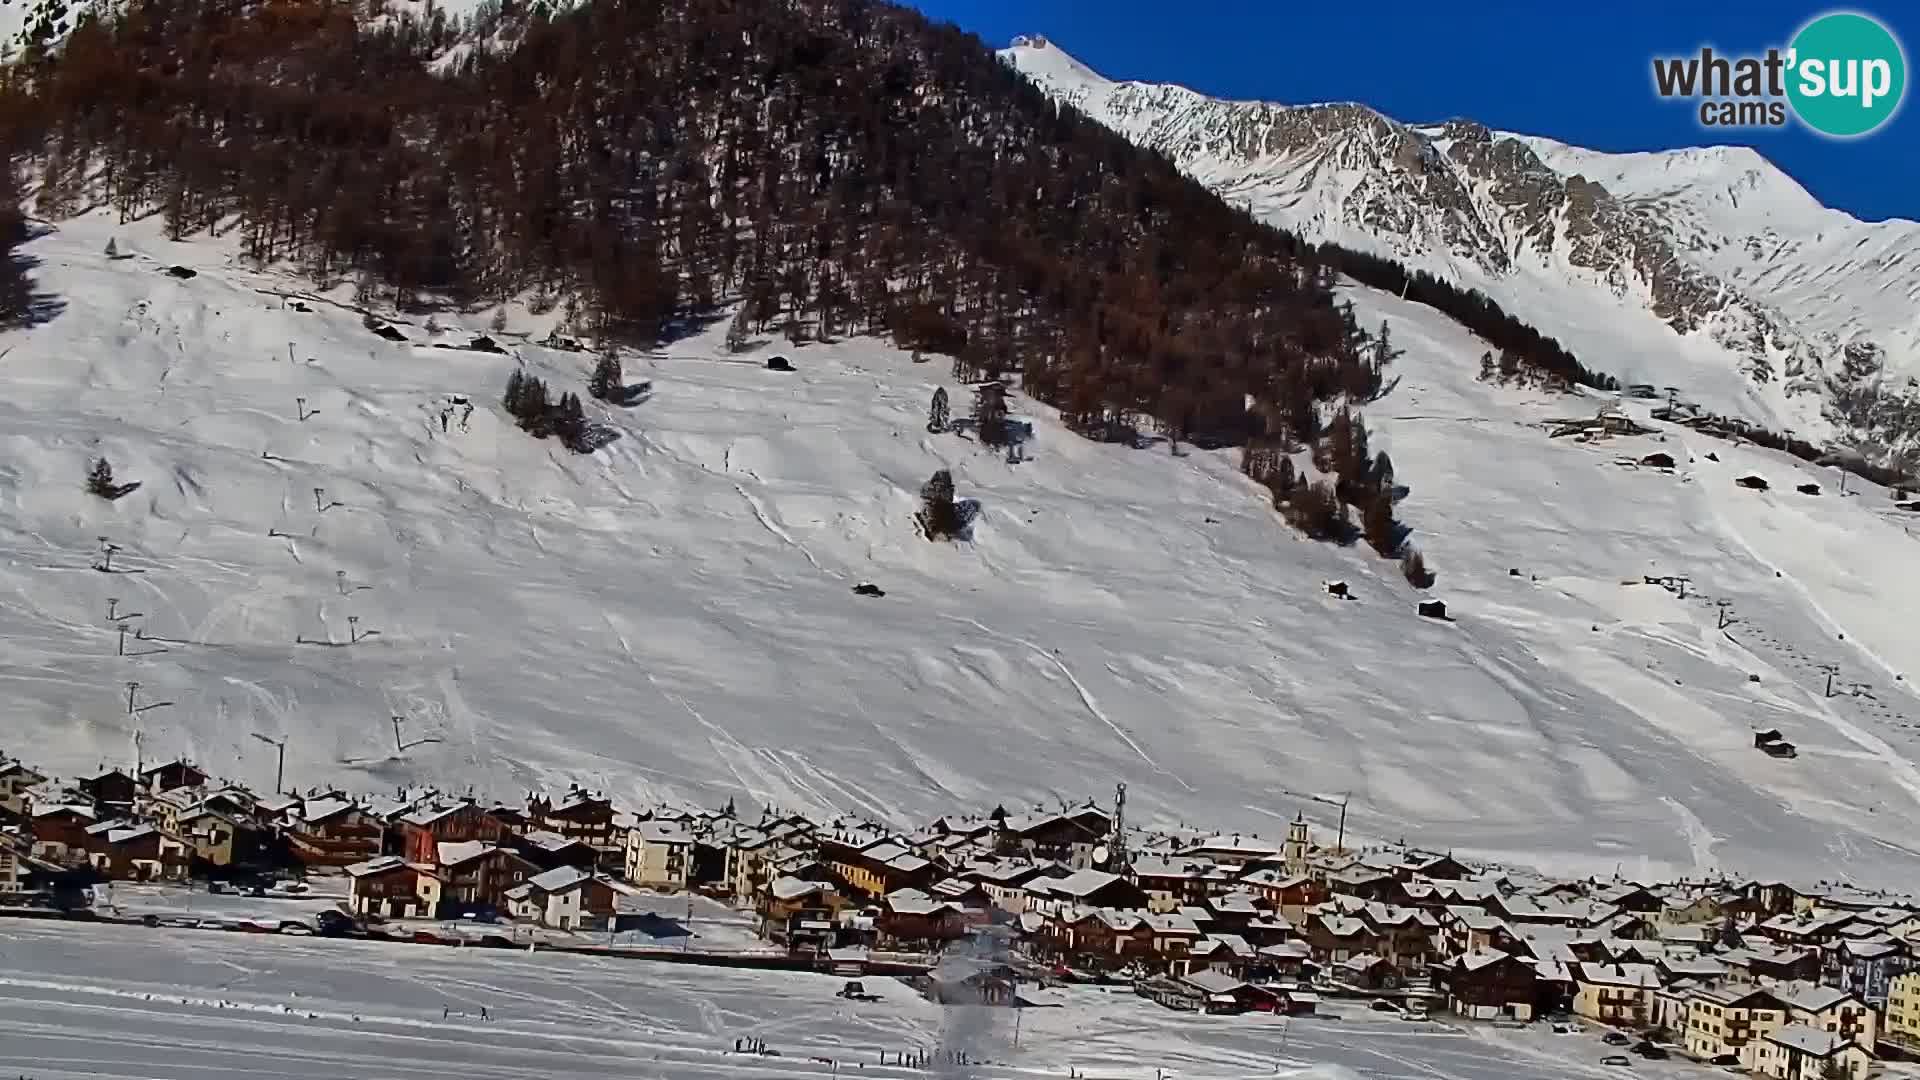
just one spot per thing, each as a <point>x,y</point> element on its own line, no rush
<point>113,249</point>
<point>16,285</point>
<point>1377,524</point>
<point>514,400</point>
<point>939,518</point>
<point>570,423</point>
<point>100,479</point>
<point>990,413</point>
<point>737,332</point>
<point>1487,368</point>
<point>938,415</point>
<point>1383,472</point>
<point>1414,566</point>
<point>608,379</point>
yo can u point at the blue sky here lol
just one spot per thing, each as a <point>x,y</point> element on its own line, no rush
<point>1580,74</point>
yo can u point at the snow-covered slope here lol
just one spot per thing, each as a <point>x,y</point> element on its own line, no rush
<point>1705,269</point>
<point>672,617</point>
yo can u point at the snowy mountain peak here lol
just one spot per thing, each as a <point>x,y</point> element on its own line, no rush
<point>1038,59</point>
<point>1705,268</point>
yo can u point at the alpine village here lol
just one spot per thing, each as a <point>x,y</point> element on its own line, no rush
<point>1776,979</point>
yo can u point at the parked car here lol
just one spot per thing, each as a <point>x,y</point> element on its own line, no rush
<point>1616,1038</point>
<point>1383,1005</point>
<point>1414,1014</point>
<point>1650,1051</point>
<point>1726,1061</point>
<point>1617,1059</point>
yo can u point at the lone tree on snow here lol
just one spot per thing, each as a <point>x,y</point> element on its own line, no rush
<point>1414,566</point>
<point>939,518</point>
<point>990,412</point>
<point>608,379</point>
<point>100,480</point>
<point>939,414</point>
<point>537,415</point>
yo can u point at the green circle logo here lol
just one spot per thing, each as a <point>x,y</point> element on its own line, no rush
<point>1848,74</point>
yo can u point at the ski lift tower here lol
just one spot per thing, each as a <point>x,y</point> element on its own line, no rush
<point>1118,861</point>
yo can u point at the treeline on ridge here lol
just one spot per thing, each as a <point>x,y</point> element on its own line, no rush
<point>832,166</point>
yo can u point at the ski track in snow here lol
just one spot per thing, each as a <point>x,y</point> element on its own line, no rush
<point>1086,699</point>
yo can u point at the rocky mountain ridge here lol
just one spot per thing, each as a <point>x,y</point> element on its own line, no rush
<point>1786,312</point>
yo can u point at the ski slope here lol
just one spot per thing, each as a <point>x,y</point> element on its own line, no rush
<point>672,618</point>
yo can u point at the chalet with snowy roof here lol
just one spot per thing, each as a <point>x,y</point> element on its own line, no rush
<point>1174,936</point>
<point>1806,929</point>
<point>1629,896</point>
<point>220,838</point>
<point>1867,966</point>
<point>1829,1009</point>
<point>564,898</point>
<point>1233,849</point>
<point>165,808</point>
<point>659,855</point>
<point>583,815</point>
<point>334,831</point>
<point>1800,1052</point>
<point>390,887</point>
<point>1490,985</point>
<point>60,832</point>
<point>1365,971</point>
<point>1288,893</point>
<point>873,866</point>
<point>1405,937</point>
<point>112,791</point>
<point>912,918</point>
<point>137,851</point>
<point>424,829</point>
<point>1069,837</point>
<point>1883,921</point>
<point>1725,1020</point>
<point>550,850</point>
<point>178,773</point>
<point>1760,959</point>
<point>1171,882</point>
<point>478,874</point>
<point>1691,907</point>
<point>1229,953</point>
<point>1621,995</point>
<point>16,781</point>
<point>1101,939</point>
<point>1770,898</point>
<point>749,861</point>
<point>1085,889</point>
<point>1221,992</point>
<point>800,914</point>
<point>1335,938</point>
<point>1007,880</point>
<point>1467,929</point>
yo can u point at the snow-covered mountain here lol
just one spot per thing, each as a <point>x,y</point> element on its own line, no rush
<point>1706,269</point>
<point>672,617</point>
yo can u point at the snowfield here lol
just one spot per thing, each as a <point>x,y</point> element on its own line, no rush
<point>672,618</point>
<point>102,1003</point>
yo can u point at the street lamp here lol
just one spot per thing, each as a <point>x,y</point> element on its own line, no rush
<point>280,769</point>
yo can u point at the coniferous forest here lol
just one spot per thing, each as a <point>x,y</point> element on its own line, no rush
<point>833,167</point>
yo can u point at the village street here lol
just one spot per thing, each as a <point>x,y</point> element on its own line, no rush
<point>124,1001</point>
